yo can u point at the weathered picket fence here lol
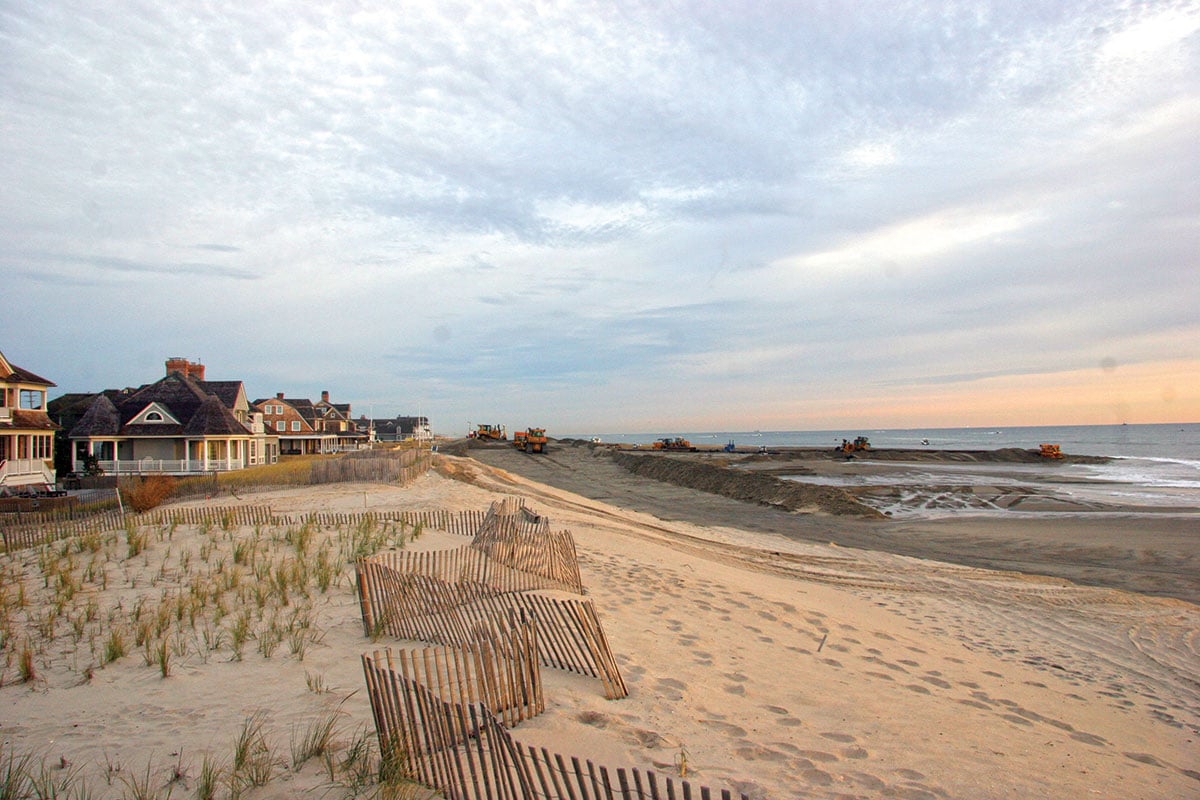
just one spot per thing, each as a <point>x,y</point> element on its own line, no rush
<point>442,711</point>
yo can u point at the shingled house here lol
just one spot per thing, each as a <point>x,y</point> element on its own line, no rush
<point>308,428</point>
<point>178,425</point>
<point>26,431</point>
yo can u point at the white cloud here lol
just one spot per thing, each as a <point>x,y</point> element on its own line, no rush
<point>608,192</point>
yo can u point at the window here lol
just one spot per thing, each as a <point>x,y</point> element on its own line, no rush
<point>280,426</point>
<point>295,426</point>
<point>154,416</point>
<point>32,400</point>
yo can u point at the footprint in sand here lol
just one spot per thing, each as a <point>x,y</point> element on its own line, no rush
<point>844,738</point>
<point>936,681</point>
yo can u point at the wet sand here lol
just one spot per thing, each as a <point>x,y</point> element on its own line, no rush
<point>1120,547</point>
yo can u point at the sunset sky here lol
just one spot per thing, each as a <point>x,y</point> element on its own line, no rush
<point>613,216</point>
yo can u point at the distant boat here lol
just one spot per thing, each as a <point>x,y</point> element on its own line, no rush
<point>924,441</point>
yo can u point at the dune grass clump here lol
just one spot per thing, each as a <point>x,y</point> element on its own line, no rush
<point>148,492</point>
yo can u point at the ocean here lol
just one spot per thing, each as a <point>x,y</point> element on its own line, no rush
<point>1153,465</point>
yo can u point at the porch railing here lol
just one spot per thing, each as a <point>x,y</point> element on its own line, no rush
<point>166,466</point>
<point>15,471</point>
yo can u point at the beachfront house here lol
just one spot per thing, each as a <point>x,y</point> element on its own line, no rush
<point>298,424</point>
<point>179,425</point>
<point>397,429</point>
<point>26,430</point>
<point>336,419</point>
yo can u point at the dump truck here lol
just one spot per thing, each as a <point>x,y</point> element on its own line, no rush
<point>491,433</point>
<point>676,444</point>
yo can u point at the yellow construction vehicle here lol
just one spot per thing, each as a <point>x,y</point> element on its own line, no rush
<point>859,444</point>
<point>531,440</point>
<point>536,438</point>
<point>1050,451</point>
<point>676,444</point>
<point>491,433</point>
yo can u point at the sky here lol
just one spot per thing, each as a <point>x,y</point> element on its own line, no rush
<point>613,216</point>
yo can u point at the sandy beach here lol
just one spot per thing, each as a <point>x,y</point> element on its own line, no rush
<point>771,653</point>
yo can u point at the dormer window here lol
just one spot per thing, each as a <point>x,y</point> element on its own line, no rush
<point>33,400</point>
<point>154,416</point>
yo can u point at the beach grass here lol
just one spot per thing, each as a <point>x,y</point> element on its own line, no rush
<point>71,609</point>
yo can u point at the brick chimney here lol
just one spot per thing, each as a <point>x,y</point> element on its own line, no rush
<point>185,368</point>
<point>279,395</point>
<point>325,397</point>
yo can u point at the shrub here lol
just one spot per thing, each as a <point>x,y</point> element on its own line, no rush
<point>149,492</point>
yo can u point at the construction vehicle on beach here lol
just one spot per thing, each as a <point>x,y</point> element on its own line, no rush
<point>1050,451</point>
<point>859,444</point>
<point>535,440</point>
<point>676,444</point>
<point>530,440</point>
<point>491,433</point>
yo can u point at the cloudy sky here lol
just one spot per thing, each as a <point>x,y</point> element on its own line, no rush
<point>613,216</point>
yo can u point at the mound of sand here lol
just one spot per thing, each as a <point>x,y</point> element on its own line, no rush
<point>717,478</point>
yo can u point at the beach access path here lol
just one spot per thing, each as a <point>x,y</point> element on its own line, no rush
<point>1120,548</point>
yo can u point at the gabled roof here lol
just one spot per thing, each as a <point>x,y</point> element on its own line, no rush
<point>227,391</point>
<point>213,419</point>
<point>11,373</point>
<point>199,413</point>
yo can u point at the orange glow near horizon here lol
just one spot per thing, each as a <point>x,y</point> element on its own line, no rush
<point>1157,392</point>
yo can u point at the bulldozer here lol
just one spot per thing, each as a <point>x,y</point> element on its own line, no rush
<point>491,433</point>
<point>859,444</point>
<point>531,440</point>
<point>676,444</point>
<point>536,440</point>
<point>1050,451</point>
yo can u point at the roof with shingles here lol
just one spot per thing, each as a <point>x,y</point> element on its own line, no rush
<point>200,413</point>
<point>226,390</point>
<point>24,419</point>
<point>15,374</point>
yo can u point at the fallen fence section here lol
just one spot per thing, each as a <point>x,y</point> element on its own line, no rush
<point>461,749</point>
<point>444,596</point>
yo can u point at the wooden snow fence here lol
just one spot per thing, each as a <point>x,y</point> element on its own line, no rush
<point>24,536</point>
<point>411,605</point>
<point>378,466</point>
<point>444,595</point>
<point>443,738</point>
<point>29,530</point>
<point>522,540</point>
